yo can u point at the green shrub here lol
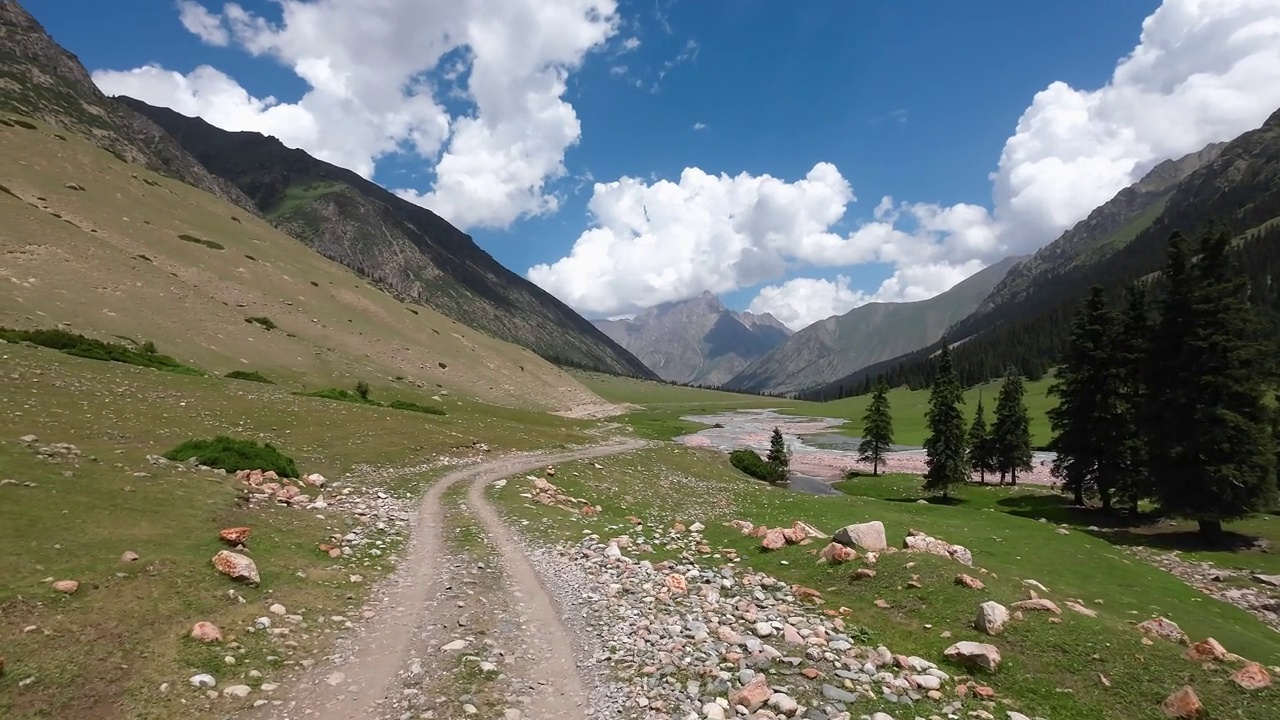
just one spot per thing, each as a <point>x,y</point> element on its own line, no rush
<point>750,462</point>
<point>232,454</point>
<point>363,390</point>
<point>415,407</point>
<point>86,347</point>
<point>335,394</point>
<point>250,375</point>
<point>201,241</point>
<point>263,321</point>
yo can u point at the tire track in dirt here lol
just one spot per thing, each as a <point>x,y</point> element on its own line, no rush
<point>414,610</point>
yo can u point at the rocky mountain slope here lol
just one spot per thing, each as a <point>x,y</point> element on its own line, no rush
<point>696,341</point>
<point>1233,186</point>
<point>39,79</point>
<point>114,251</point>
<point>405,248</point>
<point>840,345</point>
<point>1111,226</point>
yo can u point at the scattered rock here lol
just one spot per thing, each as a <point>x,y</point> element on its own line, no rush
<point>974,654</point>
<point>236,567</point>
<point>237,691</point>
<point>773,540</point>
<point>917,541</point>
<point>73,186</point>
<point>1207,649</point>
<point>992,617</point>
<point>1164,629</point>
<point>454,646</point>
<point>206,632</point>
<point>753,694</point>
<point>1252,677</point>
<point>1272,580</point>
<point>835,553</point>
<point>235,535</point>
<point>867,535</point>
<point>128,556</point>
<point>1077,607</point>
<point>203,680</point>
<point>1038,604</point>
<point>66,587</point>
<point>1183,703</point>
<point>970,582</point>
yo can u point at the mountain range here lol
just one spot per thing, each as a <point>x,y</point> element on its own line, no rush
<point>696,341</point>
<point>1232,187</point>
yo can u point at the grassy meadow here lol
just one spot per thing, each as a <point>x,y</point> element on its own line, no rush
<point>1050,670</point>
<point>105,651</point>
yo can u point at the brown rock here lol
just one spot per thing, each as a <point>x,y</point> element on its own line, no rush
<point>1038,604</point>
<point>974,654</point>
<point>835,553</point>
<point>128,556</point>
<point>236,567</point>
<point>794,536</point>
<point>759,531</point>
<point>804,593</point>
<point>743,526</point>
<point>882,604</point>
<point>235,535</point>
<point>206,632</point>
<point>677,528</point>
<point>1252,677</point>
<point>970,582</point>
<point>677,585</point>
<point>773,540</point>
<point>1077,607</point>
<point>335,553</point>
<point>551,471</point>
<point>811,673</point>
<point>1207,649</point>
<point>753,694</point>
<point>1183,703</point>
<point>864,573</point>
<point>808,530</point>
<point>66,587</point>
<point>984,692</point>
<point>1164,629</point>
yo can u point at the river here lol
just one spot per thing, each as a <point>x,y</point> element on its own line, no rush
<point>819,456</point>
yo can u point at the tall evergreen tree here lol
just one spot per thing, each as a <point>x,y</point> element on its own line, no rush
<point>945,446</point>
<point>1212,450</point>
<point>1011,434</point>
<point>1090,391</point>
<point>877,429</point>
<point>778,459</point>
<point>981,453</point>
<point>1133,483</point>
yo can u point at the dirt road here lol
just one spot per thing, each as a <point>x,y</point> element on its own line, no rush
<point>417,611</point>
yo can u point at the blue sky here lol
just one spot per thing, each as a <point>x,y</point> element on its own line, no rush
<point>914,99</point>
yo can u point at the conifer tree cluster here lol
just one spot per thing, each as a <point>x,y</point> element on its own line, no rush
<point>953,454</point>
<point>1174,411</point>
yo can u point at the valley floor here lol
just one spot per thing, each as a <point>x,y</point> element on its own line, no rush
<point>496,563</point>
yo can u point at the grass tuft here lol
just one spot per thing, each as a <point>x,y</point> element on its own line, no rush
<point>416,407</point>
<point>233,454</point>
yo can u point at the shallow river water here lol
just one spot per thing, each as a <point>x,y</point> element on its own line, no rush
<point>819,456</point>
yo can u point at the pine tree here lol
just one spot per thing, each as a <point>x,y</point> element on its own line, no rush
<point>945,446</point>
<point>1091,409</point>
<point>778,459</point>
<point>877,429</point>
<point>1133,483</point>
<point>981,453</point>
<point>1011,434</point>
<point>1212,449</point>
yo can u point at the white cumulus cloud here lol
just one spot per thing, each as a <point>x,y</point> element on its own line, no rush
<point>376,71</point>
<point>1202,71</point>
<point>200,22</point>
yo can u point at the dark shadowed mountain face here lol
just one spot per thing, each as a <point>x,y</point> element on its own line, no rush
<point>837,346</point>
<point>39,79</point>
<point>405,248</point>
<point>697,341</point>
